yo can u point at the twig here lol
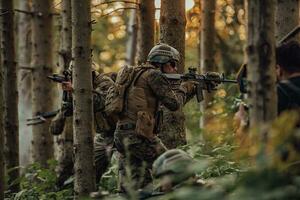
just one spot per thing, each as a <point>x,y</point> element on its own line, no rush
<point>4,13</point>
<point>109,2</point>
<point>26,68</point>
<point>57,4</point>
<point>24,11</point>
<point>107,14</point>
<point>32,13</point>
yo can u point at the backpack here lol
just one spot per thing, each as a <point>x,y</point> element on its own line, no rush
<point>115,98</point>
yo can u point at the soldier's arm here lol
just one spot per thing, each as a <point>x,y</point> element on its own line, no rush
<point>101,85</point>
<point>162,89</point>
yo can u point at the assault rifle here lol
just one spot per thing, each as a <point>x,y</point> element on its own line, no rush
<point>208,81</point>
<point>41,117</point>
<point>67,107</point>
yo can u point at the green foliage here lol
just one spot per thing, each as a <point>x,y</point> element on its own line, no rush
<point>38,183</point>
<point>109,181</point>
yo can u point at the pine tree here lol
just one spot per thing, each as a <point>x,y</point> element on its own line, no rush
<point>10,93</point>
<point>207,51</point>
<point>261,61</point>
<point>172,27</point>
<point>65,141</point>
<point>2,163</point>
<point>146,29</point>
<point>42,89</point>
<point>172,32</point>
<point>24,80</point>
<point>132,38</point>
<point>82,98</point>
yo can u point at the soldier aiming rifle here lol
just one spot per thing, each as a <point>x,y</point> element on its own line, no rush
<point>208,81</point>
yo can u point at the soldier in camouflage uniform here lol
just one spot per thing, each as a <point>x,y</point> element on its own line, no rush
<point>134,135</point>
<point>172,132</point>
<point>105,126</point>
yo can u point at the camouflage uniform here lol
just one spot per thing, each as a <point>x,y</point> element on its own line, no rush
<point>105,126</point>
<point>172,132</point>
<point>144,94</point>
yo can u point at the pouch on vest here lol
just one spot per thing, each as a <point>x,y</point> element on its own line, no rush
<point>145,124</point>
<point>114,101</point>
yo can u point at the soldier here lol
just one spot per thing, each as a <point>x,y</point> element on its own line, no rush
<point>288,73</point>
<point>105,126</point>
<point>172,168</point>
<point>139,120</point>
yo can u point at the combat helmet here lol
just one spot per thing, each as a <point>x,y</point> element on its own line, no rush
<point>174,163</point>
<point>163,53</point>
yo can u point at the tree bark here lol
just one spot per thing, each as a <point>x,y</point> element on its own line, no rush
<point>207,52</point>
<point>287,17</point>
<point>146,29</point>
<point>172,27</point>
<point>172,32</point>
<point>82,99</point>
<point>42,89</point>
<point>65,141</point>
<point>132,38</point>
<point>10,93</point>
<point>261,61</point>
<point>24,81</point>
<point>2,163</point>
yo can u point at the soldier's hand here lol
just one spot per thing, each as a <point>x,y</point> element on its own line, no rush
<point>188,87</point>
<point>67,86</point>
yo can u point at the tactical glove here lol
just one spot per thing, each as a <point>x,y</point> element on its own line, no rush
<point>188,87</point>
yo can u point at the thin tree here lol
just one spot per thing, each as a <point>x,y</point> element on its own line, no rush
<point>146,14</point>
<point>287,17</point>
<point>172,27</point>
<point>24,80</point>
<point>207,50</point>
<point>82,98</point>
<point>2,163</point>
<point>42,89</point>
<point>10,93</point>
<point>172,32</point>
<point>65,141</point>
<point>132,38</point>
<point>261,61</point>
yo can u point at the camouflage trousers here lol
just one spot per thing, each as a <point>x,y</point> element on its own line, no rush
<point>137,156</point>
<point>103,150</point>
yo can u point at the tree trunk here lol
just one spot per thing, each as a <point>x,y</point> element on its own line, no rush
<point>65,141</point>
<point>172,27</point>
<point>207,52</point>
<point>10,93</point>
<point>2,163</point>
<point>261,61</point>
<point>132,38</point>
<point>24,81</point>
<point>82,99</point>
<point>287,17</point>
<point>42,89</point>
<point>146,29</point>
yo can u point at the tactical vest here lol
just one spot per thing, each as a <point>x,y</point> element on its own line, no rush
<point>139,96</point>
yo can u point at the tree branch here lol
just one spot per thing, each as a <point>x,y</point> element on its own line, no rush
<point>4,13</point>
<point>25,68</point>
<point>120,1</point>
<point>32,13</point>
<point>107,14</point>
